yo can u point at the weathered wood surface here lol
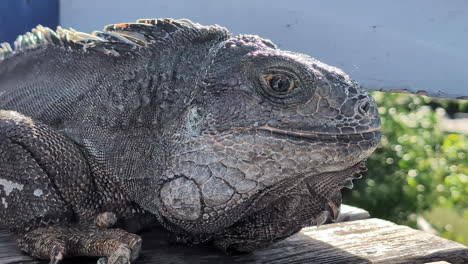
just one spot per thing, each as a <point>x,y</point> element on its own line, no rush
<point>351,213</point>
<point>362,241</point>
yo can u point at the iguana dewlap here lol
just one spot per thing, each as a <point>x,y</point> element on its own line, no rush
<point>218,138</point>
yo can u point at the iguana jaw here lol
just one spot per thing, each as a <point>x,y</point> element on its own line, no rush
<point>320,200</point>
<point>306,133</point>
<point>362,135</point>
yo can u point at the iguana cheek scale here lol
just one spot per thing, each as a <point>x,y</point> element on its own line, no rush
<point>217,138</point>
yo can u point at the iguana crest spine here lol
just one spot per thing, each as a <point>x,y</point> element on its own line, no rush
<point>117,38</point>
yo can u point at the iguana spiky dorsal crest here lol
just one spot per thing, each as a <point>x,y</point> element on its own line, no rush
<point>118,38</point>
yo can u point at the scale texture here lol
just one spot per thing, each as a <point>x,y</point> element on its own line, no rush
<point>217,138</point>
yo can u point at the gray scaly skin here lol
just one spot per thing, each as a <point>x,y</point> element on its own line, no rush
<point>218,138</point>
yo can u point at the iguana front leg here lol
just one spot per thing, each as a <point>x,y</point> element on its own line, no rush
<point>48,198</point>
<point>56,242</point>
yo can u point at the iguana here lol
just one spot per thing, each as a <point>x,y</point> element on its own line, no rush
<point>217,138</point>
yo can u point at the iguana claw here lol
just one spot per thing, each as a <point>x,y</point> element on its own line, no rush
<point>121,256</point>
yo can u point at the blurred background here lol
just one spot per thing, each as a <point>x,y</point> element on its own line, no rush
<point>419,174</point>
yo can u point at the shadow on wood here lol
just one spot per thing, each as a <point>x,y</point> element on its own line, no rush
<point>359,241</point>
<point>156,249</point>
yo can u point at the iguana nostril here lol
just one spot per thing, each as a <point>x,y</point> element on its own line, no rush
<point>364,107</point>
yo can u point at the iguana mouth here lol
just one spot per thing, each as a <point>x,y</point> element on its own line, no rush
<point>312,136</point>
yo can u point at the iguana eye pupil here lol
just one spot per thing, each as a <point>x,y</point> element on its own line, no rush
<point>280,83</point>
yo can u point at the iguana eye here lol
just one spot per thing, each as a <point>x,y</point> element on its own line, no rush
<point>279,83</point>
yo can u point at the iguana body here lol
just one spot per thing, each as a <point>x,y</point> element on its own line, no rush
<point>216,138</point>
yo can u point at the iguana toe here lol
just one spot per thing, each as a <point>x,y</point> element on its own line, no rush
<point>56,243</point>
<point>122,255</point>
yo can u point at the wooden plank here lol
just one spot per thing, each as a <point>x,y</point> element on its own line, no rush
<point>380,241</point>
<point>351,213</point>
<point>8,249</point>
<point>362,241</point>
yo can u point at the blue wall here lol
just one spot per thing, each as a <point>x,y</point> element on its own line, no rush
<point>19,16</point>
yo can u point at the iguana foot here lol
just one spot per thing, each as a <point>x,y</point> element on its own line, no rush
<point>55,243</point>
<point>121,256</point>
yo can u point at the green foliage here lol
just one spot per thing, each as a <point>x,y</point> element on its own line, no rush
<point>450,223</point>
<point>417,166</point>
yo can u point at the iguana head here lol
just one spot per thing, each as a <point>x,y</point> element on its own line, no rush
<point>262,122</point>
